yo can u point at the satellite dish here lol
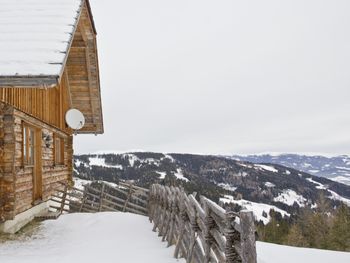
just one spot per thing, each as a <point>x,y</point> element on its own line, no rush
<point>75,119</point>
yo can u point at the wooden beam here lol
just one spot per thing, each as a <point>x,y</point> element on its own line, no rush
<point>28,81</point>
<point>87,54</point>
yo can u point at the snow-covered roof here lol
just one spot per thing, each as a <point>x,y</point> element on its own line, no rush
<point>35,36</point>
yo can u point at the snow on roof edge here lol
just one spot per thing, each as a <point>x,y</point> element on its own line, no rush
<point>77,18</point>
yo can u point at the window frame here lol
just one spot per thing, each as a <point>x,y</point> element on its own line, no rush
<point>58,150</point>
<point>28,145</point>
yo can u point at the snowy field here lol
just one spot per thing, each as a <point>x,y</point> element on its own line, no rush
<point>121,237</point>
<point>271,253</point>
<point>96,238</point>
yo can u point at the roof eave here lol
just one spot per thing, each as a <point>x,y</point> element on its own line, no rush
<point>29,81</point>
<point>97,132</point>
<point>91,16</point>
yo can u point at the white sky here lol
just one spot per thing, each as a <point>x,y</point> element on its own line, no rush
<point>223,76</point>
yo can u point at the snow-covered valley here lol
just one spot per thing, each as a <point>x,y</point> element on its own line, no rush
<point>336,168</point>
<point>121,237</point>
<point>257,187</point>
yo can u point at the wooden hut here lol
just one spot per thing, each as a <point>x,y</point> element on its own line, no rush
<point>48,65</point>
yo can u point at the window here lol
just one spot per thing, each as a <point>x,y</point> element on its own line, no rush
<point>59,150</point>
<point>28,145</point>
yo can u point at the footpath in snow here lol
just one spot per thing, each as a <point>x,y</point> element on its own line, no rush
<point>122,237</point>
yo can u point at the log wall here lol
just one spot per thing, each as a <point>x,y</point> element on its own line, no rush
<point>7,189</point>
<point>17,179</point>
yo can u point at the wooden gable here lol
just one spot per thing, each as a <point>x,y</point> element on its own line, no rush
<point>83,74</point>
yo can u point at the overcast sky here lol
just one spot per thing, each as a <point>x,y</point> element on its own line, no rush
<point>223,76</point>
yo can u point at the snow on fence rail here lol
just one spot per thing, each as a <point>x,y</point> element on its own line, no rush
<point>202,231</point>
<point>100,196</point>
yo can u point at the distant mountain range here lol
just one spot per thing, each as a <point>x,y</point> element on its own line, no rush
<point>336,168</point>
<point>259,187</point>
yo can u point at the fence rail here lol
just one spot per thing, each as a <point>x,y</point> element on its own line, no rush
<point>100,196</point>
<point>201,231</point>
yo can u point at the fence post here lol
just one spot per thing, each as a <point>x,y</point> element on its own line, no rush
<point>231,236</point>
<point>209,222</point>
<point>128,197</point>
<point>168,219</point>
<point>151,205</point>
<point>64,196</point>
<point>158,208</point>
<point>101,197</point>
<point>183,219</point>
<point>193,232</point>
<point>83,201</point>
<point>163,204</point>
<point>174,211</point>
<point>248,237</point>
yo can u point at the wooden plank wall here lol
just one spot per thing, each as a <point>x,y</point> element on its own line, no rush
<point>202,231</point>
<point>83,75</point>
<point>48,105</point>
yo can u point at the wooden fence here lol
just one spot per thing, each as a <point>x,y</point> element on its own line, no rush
<point>100,196</point>
<point>202,231</point>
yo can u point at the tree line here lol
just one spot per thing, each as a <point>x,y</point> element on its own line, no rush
<point>323,227</point>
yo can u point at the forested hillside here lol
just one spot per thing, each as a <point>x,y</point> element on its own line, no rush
<point>216,177</point>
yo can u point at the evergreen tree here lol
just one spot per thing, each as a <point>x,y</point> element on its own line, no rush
<point>340,232</point>
<point>275,231</point>
<point>295,237</point>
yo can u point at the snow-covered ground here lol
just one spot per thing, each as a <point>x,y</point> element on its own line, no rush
<point>271,253</point>
<point>258,209</point>
<point>269,184</point>
<point>333,167</point>
<point>227,187</point>
<point>102,162</point>
<point>121,237</point>
<point>101,237</point>
<point>79,183</point>
<point>289,197</point>
<point>333,195</point>
<point>161,174</point>
<point>99,160</point>
<point>266,167</point>
<point>341,179</point>
<point>179,175</point>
